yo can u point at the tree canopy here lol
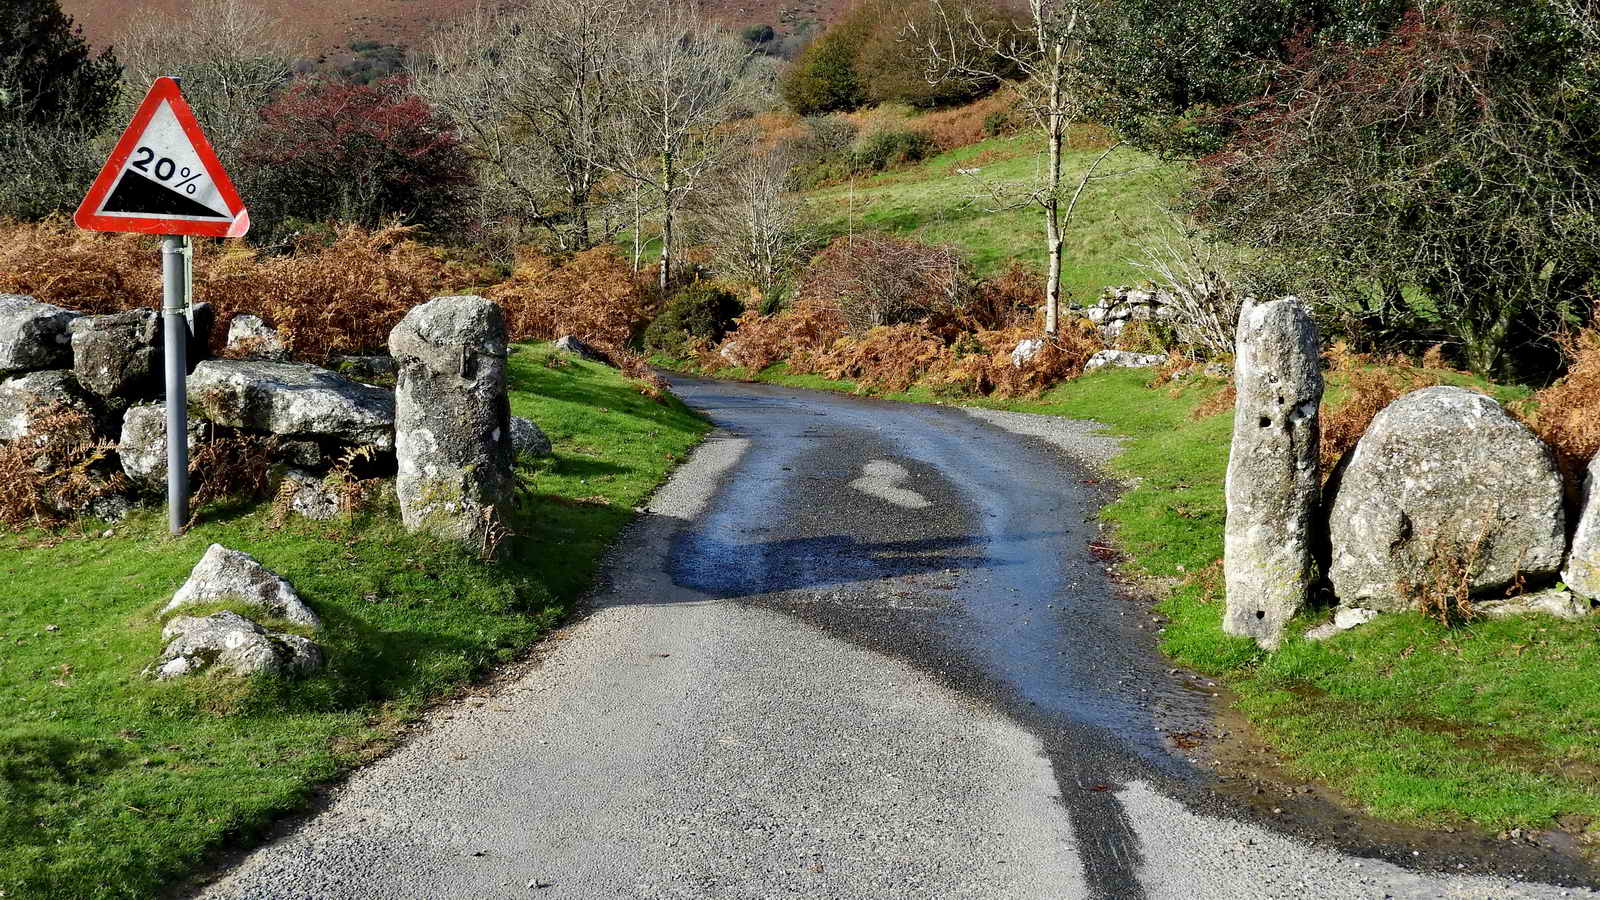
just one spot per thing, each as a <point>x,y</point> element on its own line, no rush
<point>48,72</point>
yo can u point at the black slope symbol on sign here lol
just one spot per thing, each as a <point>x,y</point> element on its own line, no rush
<point>143,196</point>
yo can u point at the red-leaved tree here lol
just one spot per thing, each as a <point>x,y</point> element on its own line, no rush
<point>363,154</point>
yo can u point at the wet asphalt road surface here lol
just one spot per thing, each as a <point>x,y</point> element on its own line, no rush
<point>852,649</point>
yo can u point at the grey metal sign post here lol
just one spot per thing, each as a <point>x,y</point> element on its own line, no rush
<point>175,261</point>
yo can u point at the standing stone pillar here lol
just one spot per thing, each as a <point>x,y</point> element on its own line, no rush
<point>1272,486</point>
<point>1582,571</point>
<point>452,418</point>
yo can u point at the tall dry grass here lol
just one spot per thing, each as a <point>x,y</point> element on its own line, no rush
<point>341,296</point>
<point>956,346</point>
<point>1567,414</point>
<point>1369,385</point>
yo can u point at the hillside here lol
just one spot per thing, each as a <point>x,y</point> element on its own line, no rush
<point>332,25</point>
<point>936,202</point>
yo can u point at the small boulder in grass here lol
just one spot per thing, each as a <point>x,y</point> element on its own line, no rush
<point>529,439</point>
<point>225,575</point>
<point>1026,351</point>
<point>1344,619</point>
<point>1558,603</point>
<point>231,643</point>
<point>571,344</point>
<point>312,498</point>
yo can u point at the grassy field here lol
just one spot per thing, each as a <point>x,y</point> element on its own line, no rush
<point>114,785</point>
<point>1493,725</point>
<point>935,203</point>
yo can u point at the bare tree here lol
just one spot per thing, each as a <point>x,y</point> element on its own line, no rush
<point>759,227</point>
<point>1043,54</point>
<point>681,81</point>
<point>1585,16</point>
<point>1202,279</point>
<point>531,91</point>
<point>230,56</point>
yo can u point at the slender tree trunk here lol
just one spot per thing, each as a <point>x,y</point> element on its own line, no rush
<point>580,213</point>
<point>638,226</point>
<point>1052,205</point>
<point>1484,341</point>
<point>667,186</point>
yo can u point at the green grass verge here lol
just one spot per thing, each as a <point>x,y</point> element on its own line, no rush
<point>1496,724</point>
<point>934,203</point>
<point>112,785</point>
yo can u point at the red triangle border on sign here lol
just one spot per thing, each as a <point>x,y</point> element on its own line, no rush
<point>164,90</point>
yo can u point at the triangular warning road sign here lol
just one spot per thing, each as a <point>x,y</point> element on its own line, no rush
<point>163,177</point>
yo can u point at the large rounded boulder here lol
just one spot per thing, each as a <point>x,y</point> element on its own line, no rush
<point>1444,484</point>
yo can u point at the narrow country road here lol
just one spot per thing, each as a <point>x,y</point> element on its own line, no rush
<point>853,649</point>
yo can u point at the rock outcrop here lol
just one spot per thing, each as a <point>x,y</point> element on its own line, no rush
<point>1272,484</point>
<point>529,439</point>
<point>1444,484</point>
<point>453,439</point>
<point>251,338</point>
<point>231,643</point>
<point>293,400</point>
<point>1123,359</point>
<point>33,335</point>
<point>118,357</point>
<point>142,447</point>
<point>231,576</point>
<point>27,397</point>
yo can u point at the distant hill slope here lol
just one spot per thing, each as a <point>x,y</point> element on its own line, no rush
<point>329,26</point>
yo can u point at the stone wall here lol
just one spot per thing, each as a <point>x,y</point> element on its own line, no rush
<point>1120,306</point>
<point>109,369</point>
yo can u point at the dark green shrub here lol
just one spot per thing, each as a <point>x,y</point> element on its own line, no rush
<point>824,79</point>
<point>998,122</point>
<point>885,149</point>
<point>698,311</point>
